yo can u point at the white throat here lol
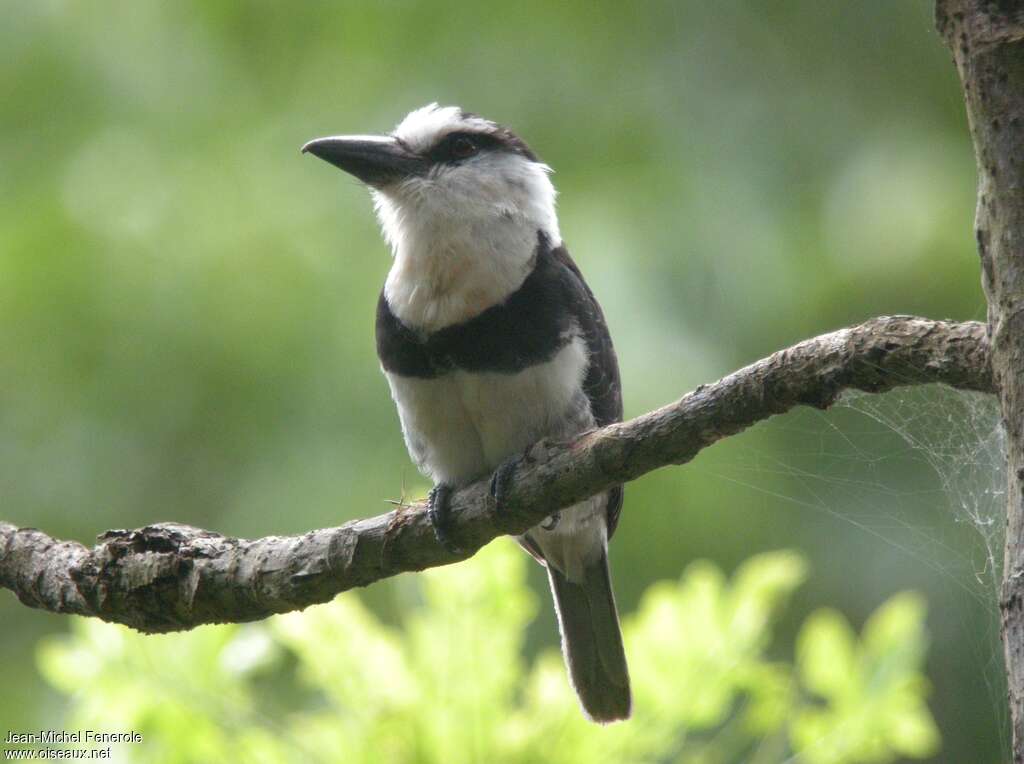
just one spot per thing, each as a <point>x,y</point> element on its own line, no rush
<point>465,239</point>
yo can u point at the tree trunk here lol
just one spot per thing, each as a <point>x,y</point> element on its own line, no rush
<point>986,40</point>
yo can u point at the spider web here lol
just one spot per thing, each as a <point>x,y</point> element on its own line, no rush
<point>921,470</point>
<point>960,436</point>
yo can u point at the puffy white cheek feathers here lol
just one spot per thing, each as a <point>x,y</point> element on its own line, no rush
<point>464,236</point>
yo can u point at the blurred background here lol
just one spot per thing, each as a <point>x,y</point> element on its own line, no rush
<point>187,303</point>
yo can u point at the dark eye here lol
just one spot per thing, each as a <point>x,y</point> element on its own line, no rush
<point>463,147</point>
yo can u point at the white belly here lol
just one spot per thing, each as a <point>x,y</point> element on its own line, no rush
<point>461,426</point>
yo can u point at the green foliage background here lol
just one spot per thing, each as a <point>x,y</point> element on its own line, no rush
<point>451,685</point>
<point>186,303</point>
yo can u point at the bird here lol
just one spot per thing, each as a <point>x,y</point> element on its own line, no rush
<point>491,339</point>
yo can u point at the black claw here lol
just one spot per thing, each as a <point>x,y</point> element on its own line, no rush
<point>438,512</point>
<point>500,481</point>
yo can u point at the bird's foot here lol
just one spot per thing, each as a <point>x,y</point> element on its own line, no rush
<point>438,512</point>
<point>500,481</point>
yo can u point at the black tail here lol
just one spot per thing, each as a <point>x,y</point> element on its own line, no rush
<point>592,642</point>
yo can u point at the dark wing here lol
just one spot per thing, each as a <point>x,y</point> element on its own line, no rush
<point>602,384</point>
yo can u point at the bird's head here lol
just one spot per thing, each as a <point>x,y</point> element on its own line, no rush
<point>445,169</point>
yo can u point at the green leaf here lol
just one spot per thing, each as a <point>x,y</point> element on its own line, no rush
<point>873,689</point>
<point>825,655</point>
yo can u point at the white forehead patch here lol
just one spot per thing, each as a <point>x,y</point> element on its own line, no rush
<point>424,127</point>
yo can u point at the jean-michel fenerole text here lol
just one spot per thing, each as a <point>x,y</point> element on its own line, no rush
<point>61,737</point>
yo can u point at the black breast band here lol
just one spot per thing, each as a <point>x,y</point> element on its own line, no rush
<point>529,327</point>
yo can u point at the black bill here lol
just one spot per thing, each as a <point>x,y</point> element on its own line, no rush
<point>375,161</point>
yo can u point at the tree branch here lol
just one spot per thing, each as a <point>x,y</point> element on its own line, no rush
<point>169,577</point>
